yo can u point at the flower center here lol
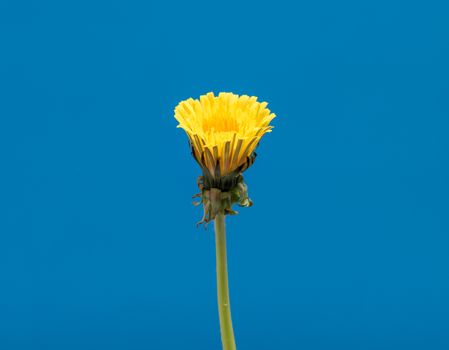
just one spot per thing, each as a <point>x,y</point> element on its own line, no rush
<point>220,124</point>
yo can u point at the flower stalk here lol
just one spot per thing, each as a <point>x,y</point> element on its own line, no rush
<point>224,305</point>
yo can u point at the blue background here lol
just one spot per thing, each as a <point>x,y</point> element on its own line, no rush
<point>347,246</point>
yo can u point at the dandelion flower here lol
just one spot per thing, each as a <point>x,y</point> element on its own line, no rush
<point>223,133</point>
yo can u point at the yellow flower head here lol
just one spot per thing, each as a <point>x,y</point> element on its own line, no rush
<point>223,131</point>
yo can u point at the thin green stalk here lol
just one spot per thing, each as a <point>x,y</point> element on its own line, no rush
<point>224,306</point>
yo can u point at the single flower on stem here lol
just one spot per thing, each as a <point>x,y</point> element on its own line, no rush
<point>223,133</point>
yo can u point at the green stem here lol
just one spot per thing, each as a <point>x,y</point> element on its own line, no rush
<point>224,306</point>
